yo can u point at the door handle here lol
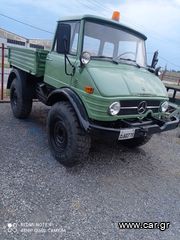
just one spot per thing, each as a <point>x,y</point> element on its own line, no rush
<point>49,59</point>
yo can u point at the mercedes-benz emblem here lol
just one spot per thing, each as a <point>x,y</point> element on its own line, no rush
<point>142,107</point>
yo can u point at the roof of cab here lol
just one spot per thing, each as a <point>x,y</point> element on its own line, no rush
<point>105,20</point>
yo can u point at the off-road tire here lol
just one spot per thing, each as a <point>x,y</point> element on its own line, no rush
<point>21,105</point>
<point>68,142</point>
<point>135,142</point>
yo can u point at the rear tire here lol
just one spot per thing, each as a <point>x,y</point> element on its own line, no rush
<point>21,106</point>
<point>68,142</point>
<point>135,142</point>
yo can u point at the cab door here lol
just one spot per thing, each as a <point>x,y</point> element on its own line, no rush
<point>55,63</point>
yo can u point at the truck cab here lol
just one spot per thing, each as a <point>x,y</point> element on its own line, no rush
<point>110,58</point>
<point>97,80</point>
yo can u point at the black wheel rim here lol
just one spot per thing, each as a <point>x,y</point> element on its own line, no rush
<point>60,136</point>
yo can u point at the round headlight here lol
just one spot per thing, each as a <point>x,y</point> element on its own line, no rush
<point>85,58</point>
<point>164,106</point>
<point>114,108</point>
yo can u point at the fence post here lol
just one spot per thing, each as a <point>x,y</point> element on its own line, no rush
<point>2,73</point>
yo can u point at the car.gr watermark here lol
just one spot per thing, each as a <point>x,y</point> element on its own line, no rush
<point>162,226</point>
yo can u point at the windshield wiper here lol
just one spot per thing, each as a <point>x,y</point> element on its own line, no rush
<point>101,57</point>
<point>105,57</point>
<point>116,59</point>
<point>126,59</point>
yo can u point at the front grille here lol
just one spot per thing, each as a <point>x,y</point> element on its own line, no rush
<point>130,107</point>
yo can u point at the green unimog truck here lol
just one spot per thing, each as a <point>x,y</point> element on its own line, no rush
<point>98,83</point>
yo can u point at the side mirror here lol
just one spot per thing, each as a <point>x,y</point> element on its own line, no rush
<point>154,60</point>
<point>63,38</point>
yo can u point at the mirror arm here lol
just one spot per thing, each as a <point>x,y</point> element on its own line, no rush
<point>67,59</point>
<point>65,64</point>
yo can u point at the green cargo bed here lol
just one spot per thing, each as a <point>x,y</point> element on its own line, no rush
<point>28,60</point>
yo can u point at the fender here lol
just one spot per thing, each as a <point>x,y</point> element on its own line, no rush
<point>25,87</point>
<point>13,74</point>
<point>74,99</point>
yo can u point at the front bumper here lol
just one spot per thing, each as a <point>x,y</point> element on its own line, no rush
<point>142,128</point>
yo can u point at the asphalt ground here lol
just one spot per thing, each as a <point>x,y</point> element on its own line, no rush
<point>112,185</point>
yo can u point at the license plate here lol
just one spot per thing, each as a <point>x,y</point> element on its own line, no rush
<point>126,134</point>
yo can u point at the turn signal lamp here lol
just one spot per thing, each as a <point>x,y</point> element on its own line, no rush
<point>89,89</point>
<point>116,16</point>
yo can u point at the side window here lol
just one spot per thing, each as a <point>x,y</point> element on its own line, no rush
<point>74,45</point>
<point>75,25</point>
<point>141,57</point>
<point>74,37</point>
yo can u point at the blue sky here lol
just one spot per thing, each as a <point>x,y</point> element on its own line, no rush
<point>158,19</point>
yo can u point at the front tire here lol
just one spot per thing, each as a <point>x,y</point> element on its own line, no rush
<point>68,141</point>
<point>136,142</point>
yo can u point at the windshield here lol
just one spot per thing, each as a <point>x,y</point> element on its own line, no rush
<point>112,42</point>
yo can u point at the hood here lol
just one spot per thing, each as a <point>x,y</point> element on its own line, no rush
<point>125,80</point>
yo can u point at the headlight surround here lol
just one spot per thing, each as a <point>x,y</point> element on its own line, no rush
<point>164,106</point>
<point>114,108</point>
